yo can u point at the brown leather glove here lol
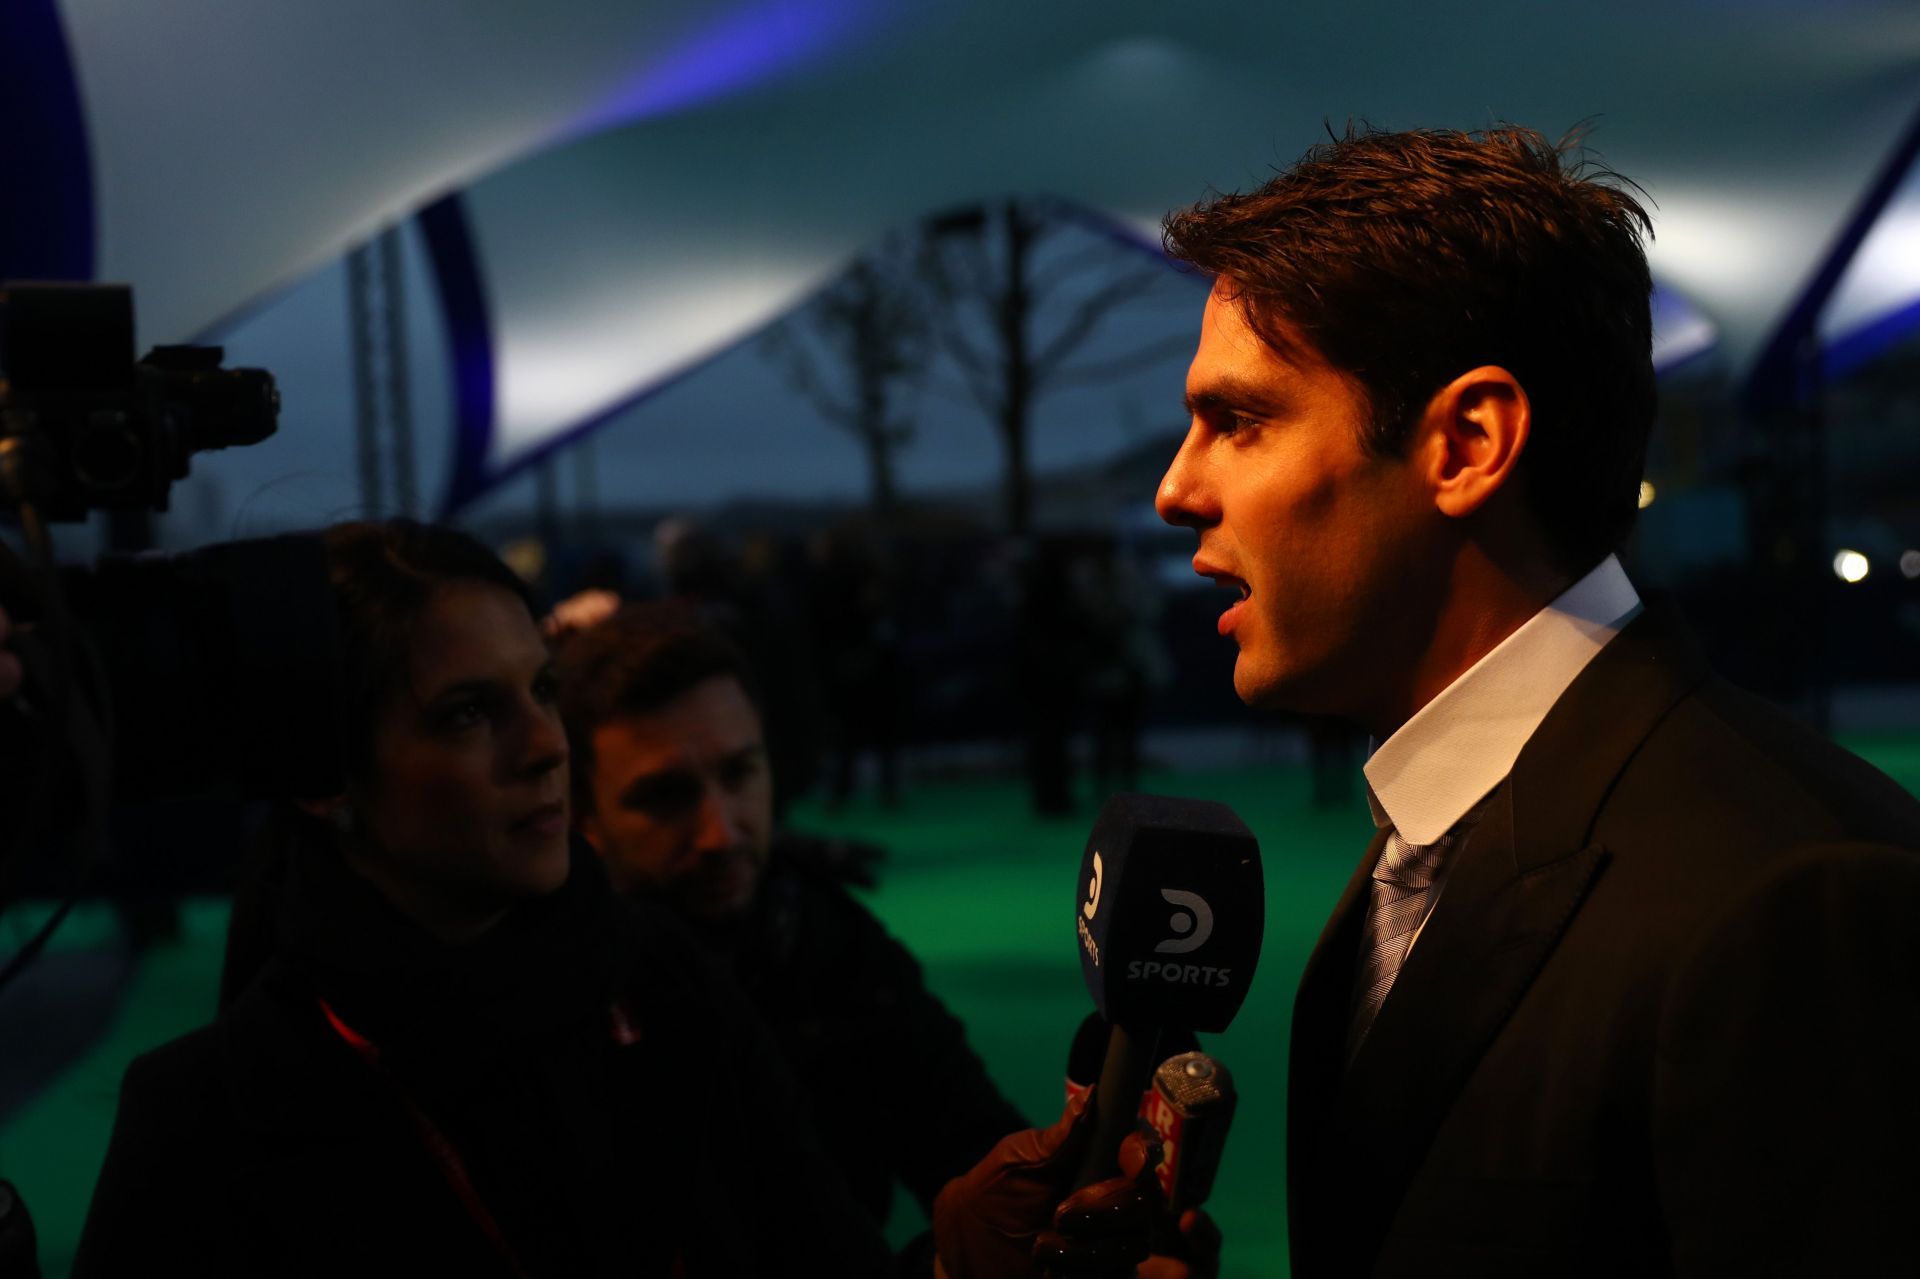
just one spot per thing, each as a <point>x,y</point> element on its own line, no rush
<point>1104,1229</point>
<point>1120,1227</point>
<point>985,1221</point>
<point>992,1222</point>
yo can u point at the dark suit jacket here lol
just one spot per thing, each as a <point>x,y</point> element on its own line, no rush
<point>1665,1017</point>
<point>835,988</point>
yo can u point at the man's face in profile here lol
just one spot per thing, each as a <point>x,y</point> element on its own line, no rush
<point>683,801</point>
<point>1316,538</point>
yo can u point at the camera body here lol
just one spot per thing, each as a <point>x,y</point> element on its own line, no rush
<point>148,677</point>
<point>85,427</point>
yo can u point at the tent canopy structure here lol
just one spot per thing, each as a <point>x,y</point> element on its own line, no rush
<point>612,192</point>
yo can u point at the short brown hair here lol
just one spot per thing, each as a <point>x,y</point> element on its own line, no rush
<point>636,661</point>
<point>1407,259</point>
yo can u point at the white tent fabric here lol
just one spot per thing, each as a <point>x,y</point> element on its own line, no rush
<point>645,183</point>
<point>1881,284</point>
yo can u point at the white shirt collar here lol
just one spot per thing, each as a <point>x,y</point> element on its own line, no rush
<point>1459,746</point>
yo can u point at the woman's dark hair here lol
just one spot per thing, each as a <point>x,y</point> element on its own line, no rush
<point>383,575</point>
<point>1406,259</point>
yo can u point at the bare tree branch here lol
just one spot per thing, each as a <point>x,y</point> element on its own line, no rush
<point>1041,227</point>
<point>870,326</point>
<point>1121,365</point>
<point>976,362</point>
<point>1086,318</point>
<point>789,344</point>
<point>838,412</point>
<point>957,272</point>
<point>1099,254</point>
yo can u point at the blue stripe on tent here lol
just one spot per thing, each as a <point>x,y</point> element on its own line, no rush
<point>47,213</point>
<point>1859,347</point>
<point>463,309</point>
<point>1776,378</point>
<point>752,43</point>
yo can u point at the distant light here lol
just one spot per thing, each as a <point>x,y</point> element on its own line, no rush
<point>1850,566</point>
<point>1910,564</point>
<point>1646,494</point>
<point>527,557</point>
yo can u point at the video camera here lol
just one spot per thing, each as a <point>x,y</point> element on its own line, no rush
<point>147,676</point>
<point>84,427</point>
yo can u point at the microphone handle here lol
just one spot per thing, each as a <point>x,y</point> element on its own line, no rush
<point>1124,1075</point>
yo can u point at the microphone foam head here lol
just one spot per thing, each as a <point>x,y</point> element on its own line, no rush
<point>1170,912</point>
<point>1194,1083</point>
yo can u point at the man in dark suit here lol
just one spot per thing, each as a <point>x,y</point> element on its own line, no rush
<point>1628,982</point>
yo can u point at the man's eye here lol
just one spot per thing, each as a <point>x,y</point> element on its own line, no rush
<point>664,796</point>
<point>739,772</point>
<point>1231,423</point>
<point>460,715</point>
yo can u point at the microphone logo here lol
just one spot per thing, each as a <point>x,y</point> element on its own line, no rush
<point>1192,924</point>
<point>1092,906</point>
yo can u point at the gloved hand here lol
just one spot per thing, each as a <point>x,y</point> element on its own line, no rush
<point>999,1219</point>
<point>986,1220</point>
<point>1105,1229</point>
<point>1120,1227</point>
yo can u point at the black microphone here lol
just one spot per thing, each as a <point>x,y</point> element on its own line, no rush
<point>1190,1109</point>
<point>1089,1051</point>
<point>1170,920</point>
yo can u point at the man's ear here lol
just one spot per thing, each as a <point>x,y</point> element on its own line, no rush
<point>1473,432</point>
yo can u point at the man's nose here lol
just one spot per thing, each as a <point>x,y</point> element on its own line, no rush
<point>543,746</point>
<point>1184,497</point>
<point>720,826</point>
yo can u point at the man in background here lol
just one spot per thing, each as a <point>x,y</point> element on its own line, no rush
<point>1628,981</point>
<point>673,788</point>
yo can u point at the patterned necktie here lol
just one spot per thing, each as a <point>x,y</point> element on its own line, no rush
<point>1401,891</point>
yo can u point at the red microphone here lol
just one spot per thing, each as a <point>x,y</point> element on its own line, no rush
<point>1190,1109</point>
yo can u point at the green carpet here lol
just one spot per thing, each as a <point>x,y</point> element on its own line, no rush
<point>977,887</point>
<point>52,1150</point>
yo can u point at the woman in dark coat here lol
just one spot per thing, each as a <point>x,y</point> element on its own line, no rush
<point>465,1055</point>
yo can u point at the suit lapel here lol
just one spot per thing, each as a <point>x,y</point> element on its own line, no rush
<point>1324,1002</point>
<point>1489,935</point>
<point>1316,1061</point>
<point>1515,885</point>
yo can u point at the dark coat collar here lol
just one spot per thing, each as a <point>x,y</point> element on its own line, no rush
<point>1360,1133</point>
<point>438,1014</point>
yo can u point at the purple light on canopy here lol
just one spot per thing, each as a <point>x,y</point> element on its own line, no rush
<point>754,43</point>
<point>1681,331</point>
